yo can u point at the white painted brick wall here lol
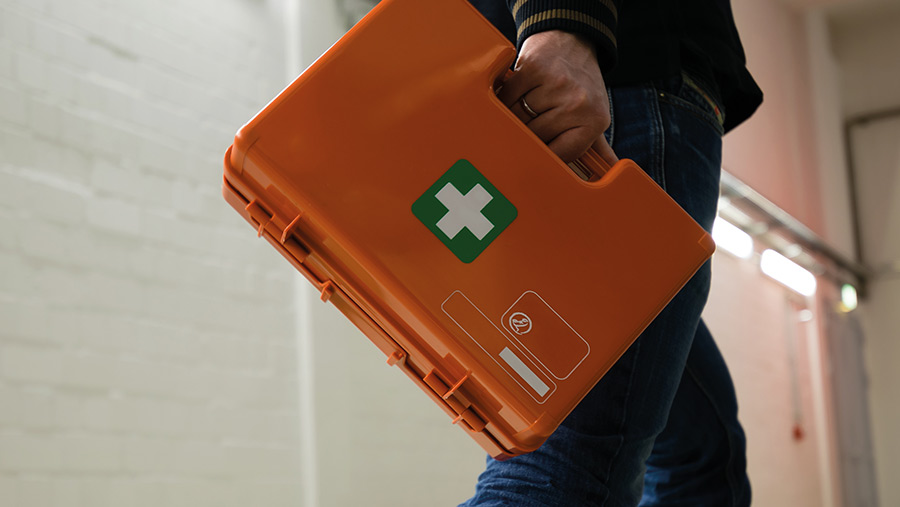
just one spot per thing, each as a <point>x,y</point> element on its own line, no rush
<point>147,351</point>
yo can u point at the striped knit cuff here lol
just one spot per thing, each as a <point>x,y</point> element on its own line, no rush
<point>593,19</point>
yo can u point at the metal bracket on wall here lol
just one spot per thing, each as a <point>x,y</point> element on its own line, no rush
<point>849,125</point>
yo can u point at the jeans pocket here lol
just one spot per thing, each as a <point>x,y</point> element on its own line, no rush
<point>694,97</point>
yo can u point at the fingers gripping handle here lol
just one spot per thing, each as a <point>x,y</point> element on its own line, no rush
<point>590,166</point>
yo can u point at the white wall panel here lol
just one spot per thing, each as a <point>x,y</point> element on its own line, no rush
<point>142,330</point>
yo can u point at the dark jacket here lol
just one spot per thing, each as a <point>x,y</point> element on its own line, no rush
<point>643,40</point>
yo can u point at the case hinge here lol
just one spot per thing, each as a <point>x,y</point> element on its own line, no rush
<point>396,358</point>
<point>473,420</point>
<point>289,241</point>
<point>260,215</point>
<point>464,411</point>
<point>436,384</point>
<point>457,385</point>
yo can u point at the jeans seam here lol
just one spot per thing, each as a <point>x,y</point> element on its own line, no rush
<point>658,140</point>
<point>729,475</point>
<point>621,429</point>
<point>698,87</point>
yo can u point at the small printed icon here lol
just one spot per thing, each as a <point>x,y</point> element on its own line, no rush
<point>520,323</point>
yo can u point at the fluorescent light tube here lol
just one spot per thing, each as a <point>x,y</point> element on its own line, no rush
<point>788,272</point>
<point>732,239</point>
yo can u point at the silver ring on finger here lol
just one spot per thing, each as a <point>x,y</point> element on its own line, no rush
<point>528,110</point>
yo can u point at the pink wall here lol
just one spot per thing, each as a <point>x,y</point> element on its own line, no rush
<point>767,358</point>
<point>775,151</point>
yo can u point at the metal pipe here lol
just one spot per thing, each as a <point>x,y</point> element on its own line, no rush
<point>775,217</point>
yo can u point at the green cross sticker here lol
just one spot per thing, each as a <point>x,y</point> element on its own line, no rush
<point>464,210</point>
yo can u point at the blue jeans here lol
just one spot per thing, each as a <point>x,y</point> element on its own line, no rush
<point>661,427</point>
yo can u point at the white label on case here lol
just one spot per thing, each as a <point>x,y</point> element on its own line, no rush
<point>524,371</point>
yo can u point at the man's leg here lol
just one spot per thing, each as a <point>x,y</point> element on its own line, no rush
<point>699,459</point>
<point>597,456</point>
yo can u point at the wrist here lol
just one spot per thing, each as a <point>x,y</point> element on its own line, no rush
<point>569,42</point>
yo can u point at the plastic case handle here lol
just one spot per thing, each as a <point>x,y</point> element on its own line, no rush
<point>590,166</point>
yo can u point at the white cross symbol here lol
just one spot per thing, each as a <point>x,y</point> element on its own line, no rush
<point>464,211</point>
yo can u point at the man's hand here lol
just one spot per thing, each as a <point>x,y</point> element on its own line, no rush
<point>558,78</point>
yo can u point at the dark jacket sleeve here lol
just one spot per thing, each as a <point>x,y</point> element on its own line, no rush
<point>593,19</point>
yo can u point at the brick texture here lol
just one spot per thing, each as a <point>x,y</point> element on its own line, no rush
<point>146,341</point>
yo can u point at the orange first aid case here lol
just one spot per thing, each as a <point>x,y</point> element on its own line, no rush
<point>499,280</point>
